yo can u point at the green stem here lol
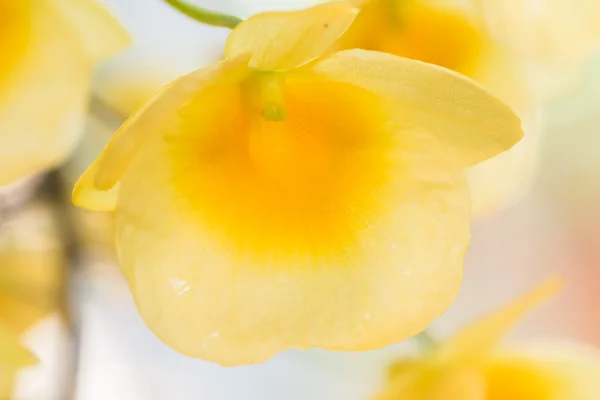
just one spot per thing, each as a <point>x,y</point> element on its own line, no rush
<point>205,16</point>
<point>426,341</point>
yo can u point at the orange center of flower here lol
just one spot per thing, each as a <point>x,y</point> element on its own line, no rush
<point>436,36</point>
<point>14,33</point>
<point>514,381</point>
<point>306,184</point>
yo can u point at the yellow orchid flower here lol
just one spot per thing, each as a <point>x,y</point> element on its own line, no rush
<point>32,266</point>
<point>48,50</point>
<point>446,34</point>
<point>472,366</point>
<point>283,198</point>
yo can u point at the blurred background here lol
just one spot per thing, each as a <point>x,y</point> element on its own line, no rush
<point>60,282</point>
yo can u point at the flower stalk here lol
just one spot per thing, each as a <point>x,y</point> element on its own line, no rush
<point>425,341</point>
<point>205,16</point>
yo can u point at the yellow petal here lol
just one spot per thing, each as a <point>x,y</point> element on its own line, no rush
<point>14,34</point>
<point>13,356</point>
<point>553,371</point>
<point>87,195</point>
<point>97,30</point>
<point>458,111</point>
<point>279,41</point>
<point>98,187</point>
<point>127,89</point>
<point>22,313</point>
<point>42,105</point>
<point>360,4</point>
<point>12,353</point>
<point>7,381</point>
<point>30,285</point>
<point>32,267</point>
<point>502,180</point>
<point>429,383</point>
<point>336,228</point>
<point>518,380</point>
<point>477,340</point>
<point>435,34</point>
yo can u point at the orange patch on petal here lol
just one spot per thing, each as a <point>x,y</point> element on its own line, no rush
<point>517,381</point>
<point>305,185</point>
<point>14,34</point>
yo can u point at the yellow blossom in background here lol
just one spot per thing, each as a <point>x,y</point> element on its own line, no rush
<point>286,198</point>
<point>49,48</point>
<point>13,356</point>
<point>552,31</point>
<point>32,267</point>
<point>446,33</point>
<point>552,38</point>
<point>473,366</point>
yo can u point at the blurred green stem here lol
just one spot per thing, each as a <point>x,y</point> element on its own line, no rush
<point>204,16</point>
<point>426,341</point>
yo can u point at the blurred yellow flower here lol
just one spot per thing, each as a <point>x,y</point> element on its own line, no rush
<point>447,34</point>
<point>32,266</point>
<point>48,50</point>
<point>419,30</point>
<point>471,365</point>
<point>553,31</point>
<point>552,38</point>
<point>13,356</point>
<point>283,198</point>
